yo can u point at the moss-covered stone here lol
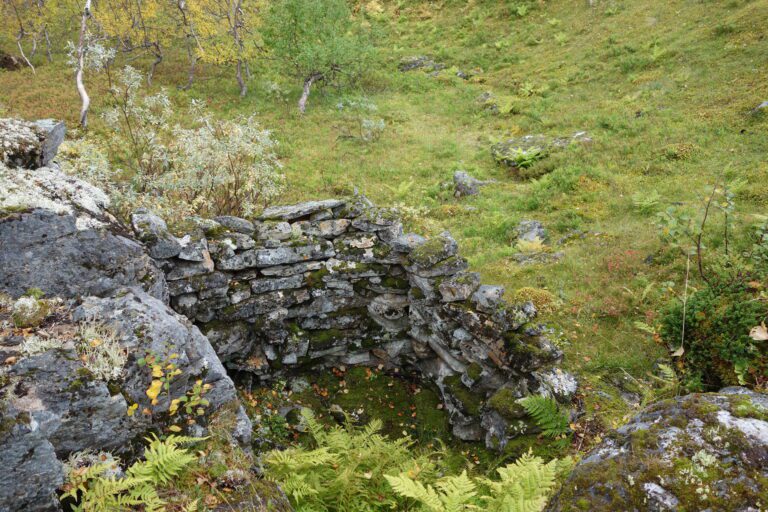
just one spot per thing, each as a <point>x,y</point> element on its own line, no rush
<point>505,402</point>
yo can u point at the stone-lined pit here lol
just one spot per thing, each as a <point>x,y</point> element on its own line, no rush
<point>337,282</point>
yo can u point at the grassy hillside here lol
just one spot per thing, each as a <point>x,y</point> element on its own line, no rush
<point>664,89</point>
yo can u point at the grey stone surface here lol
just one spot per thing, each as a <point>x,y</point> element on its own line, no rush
<point>466,185</point>
<point>298,211</point>
<point>30,473</point>
<point>30,145</point>
<point>695,452</point>
<point>338,283</point>
<point>63,257</point>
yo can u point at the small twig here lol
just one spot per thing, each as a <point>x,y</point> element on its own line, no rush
<point>679,352</point>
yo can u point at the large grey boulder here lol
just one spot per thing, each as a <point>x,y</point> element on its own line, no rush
<point>695,452</point>
<point>56,235</point>
<point>145,327</point>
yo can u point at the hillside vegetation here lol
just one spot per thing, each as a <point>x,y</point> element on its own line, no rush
<point>666,91</point>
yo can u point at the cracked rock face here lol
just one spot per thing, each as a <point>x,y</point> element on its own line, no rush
<point>696,452</point>
<point>56,235</point>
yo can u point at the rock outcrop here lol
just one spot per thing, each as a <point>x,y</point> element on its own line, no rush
<point>524,150</point>
<point>696,452</point>
<point>337,282</point>
<point>81,351</point>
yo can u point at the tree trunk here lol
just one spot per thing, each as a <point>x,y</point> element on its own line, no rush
<point>305,94</point>
<point>23,56</point>
<point>81,49</point>
<point>48,54</point>
<point>240,80</point>
<point>192,66</point>
<point>158,59</point>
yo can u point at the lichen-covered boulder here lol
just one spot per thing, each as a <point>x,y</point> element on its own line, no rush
<point>152,332</point>
<point>57,236</point>
<point>30,144</point>
<point>696,452</point>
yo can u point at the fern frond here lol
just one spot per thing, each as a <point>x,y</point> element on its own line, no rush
<point>164,460</point>
<point>413,489</point>
<point>457,492</point>
<point>546,413</point>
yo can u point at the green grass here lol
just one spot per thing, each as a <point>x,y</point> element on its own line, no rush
<point>663,88</point>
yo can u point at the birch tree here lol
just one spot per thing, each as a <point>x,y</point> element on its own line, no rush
<point>315,41</point>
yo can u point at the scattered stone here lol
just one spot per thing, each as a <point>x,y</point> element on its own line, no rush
<point>298,211</point>
<point>10,62</point>
<point>466,185</point>
<point>531,231</point>
<point>153,231</point>
<point>419,62</point>
<point>236,224</point>
<point>488,298</point>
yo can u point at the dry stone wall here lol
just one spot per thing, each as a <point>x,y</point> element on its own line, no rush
<point>338,282</point>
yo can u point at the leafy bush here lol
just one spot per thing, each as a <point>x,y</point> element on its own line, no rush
<point>139,121</point>
<point>356,469</point>
<point>224,167</point>
<point>345,469</point>
<point>315,41</point>
<point>713,328</point>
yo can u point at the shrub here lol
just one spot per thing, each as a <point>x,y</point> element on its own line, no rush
<point>139,121</point>
<point>345,469</point>
<point>224,167</point>
<point>713,328</point>
<point>522,487</point>
<point>93,481</point>
<point>356,469</point>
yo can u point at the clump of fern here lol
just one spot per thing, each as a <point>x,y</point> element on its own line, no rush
<point>345,469</point>
<point>546,414</point>
<point>523,486</point>
<point>358,470</point>
<point>96,484</point>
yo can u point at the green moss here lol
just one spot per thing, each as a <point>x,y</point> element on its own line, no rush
<point>471,402</point>
<point>505,402</point>
<point>743,407</point>
<point>430,252</point>
<point>325,338</point>
<point>75,385</point>
<point>474,371</point>
<point>315,279</point>
<point>7,212</point>
<point>397,283</point>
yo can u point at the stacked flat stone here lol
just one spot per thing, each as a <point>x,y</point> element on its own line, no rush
<point>337,282</point>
